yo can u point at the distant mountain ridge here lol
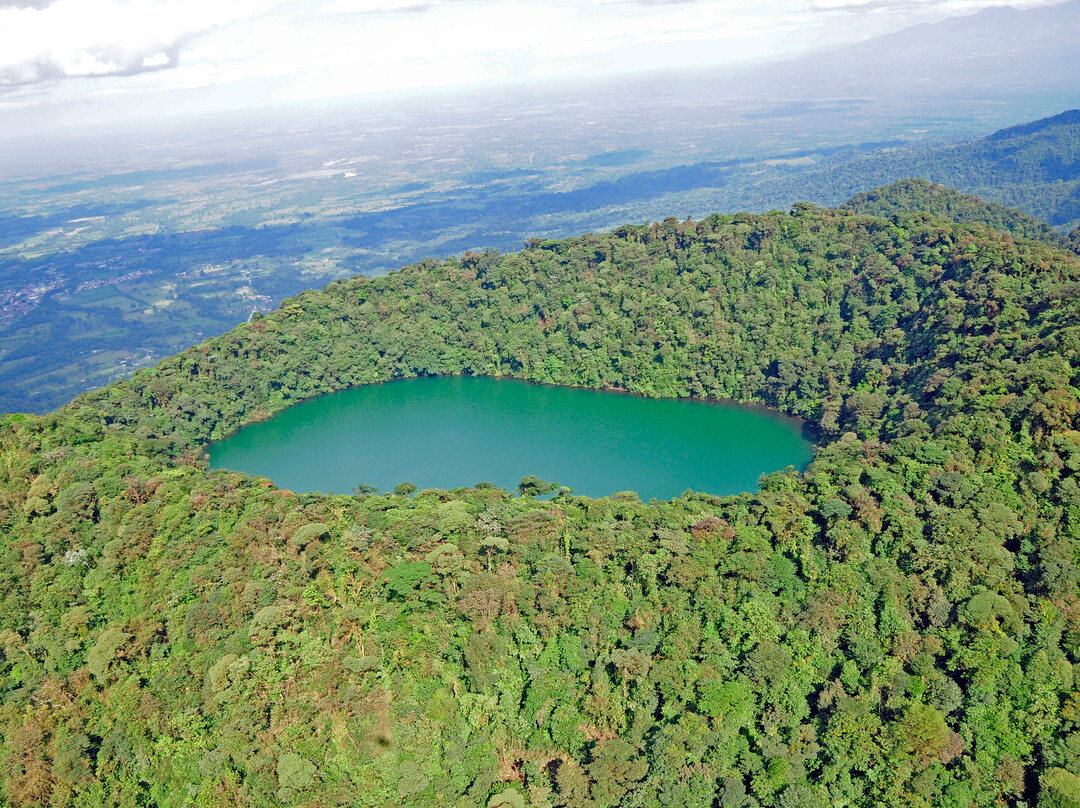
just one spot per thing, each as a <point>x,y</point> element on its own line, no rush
<point>1069,117</point>
<point>1033,167</point>
<point>1000,48</point>
<point>1047,150</point>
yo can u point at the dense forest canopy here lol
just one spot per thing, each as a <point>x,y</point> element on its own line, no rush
<point>922,196</point>
<point>897,626</point>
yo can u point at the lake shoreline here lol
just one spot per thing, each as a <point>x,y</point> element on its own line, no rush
<point>454,429</point>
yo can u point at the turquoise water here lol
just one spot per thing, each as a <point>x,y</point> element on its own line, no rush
<point>455,431</point>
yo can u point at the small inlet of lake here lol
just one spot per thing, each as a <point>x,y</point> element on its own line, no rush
<point>455,431</point>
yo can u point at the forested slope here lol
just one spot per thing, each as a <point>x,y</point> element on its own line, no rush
<point>1034,167</point>
<point>897,626</point>
<point>922,196</point>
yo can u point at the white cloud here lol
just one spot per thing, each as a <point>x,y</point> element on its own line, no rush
<point>25,3</point>
<point>85,38</point>
<point>159,59</point>
<point>287,50</point>
<point>346,7</point>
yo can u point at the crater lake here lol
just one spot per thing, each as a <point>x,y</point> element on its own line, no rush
<point>455,431</point>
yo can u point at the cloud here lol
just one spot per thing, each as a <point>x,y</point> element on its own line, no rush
<point>862,6</point>
<point>90,63</point>
<point>906,6</point>
<point>225,54</point>
<point>47,40</point>
<point>24,4</point>
<point>655,2</point>
<point>370,7</point>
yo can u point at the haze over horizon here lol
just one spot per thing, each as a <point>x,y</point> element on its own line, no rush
<point>75,63</point>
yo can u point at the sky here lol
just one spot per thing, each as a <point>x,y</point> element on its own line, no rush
<point>67,62</point>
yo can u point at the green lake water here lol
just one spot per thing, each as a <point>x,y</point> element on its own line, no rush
<point>450,432</point>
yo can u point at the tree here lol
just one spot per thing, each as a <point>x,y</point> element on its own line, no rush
<point>924,737</point>
<point>1059,788</point>
<point>295,775</point>
<point>405,580</point>
<point>615,767</point>
<point>533,486</point>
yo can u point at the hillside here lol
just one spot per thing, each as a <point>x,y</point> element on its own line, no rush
<point>917,195</point>
<point>997,49</point>
<point>99,276</point>
<point>898,626</point>
<point>1034,167</point>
